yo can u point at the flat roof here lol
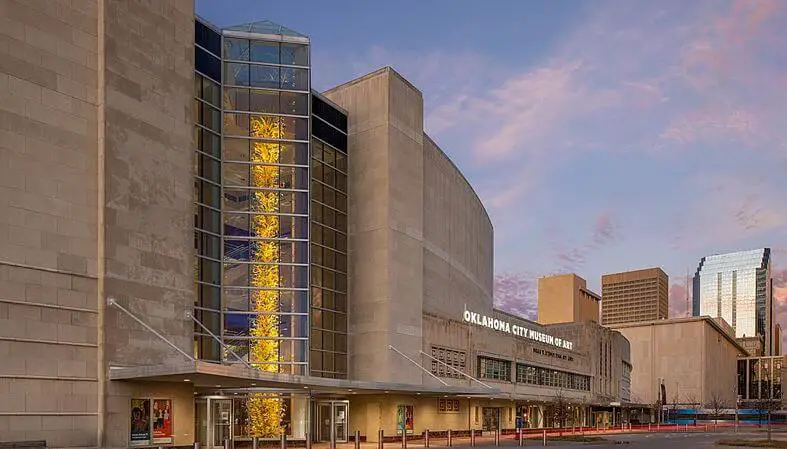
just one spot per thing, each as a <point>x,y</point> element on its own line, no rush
<point>684,320</point>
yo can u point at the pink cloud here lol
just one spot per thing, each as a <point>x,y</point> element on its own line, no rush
<point>516,293</point>
<point>677,301</point>
<point>605,231</point>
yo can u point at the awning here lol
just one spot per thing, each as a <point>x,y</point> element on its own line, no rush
<point>213,375</point>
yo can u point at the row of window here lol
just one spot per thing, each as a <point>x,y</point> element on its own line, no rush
<point>329,237</point>
<point>269,77</point>
<point>536,375</point>
<point>328,278</point>
<point>497,369</point>
<point>329,299</point>
<point>266,101</point>
<point>451,357</point>
<point>329,156</point>
<point>266,52</point>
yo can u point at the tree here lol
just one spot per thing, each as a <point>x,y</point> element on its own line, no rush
<point>716,404</point>
<point>675,402</point>
<point>558,408</point>
<point>691,401</point>
<point>766,406</point>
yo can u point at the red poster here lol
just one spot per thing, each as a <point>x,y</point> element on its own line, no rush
<point>162,420</point>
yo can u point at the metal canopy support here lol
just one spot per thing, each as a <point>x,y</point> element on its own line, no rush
<point>460,372</point>
<point>113,302</point>
<point>416,364</point>
<point>218,340</point>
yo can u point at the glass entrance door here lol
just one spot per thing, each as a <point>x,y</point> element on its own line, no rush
<point>340,421</point>
<point>332,418</point>
<point>491,418</point>
<point>220,425</point>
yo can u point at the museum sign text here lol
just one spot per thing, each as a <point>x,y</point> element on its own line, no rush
<point>519,331</point>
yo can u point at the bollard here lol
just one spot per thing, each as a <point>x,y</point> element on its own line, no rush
<point>333,439</point>
<point>450,443</point>
<point>283,443</point>
<point>227,443</point>
<point>426,438</point>
<point>545,437</point>
<point>497,437</point>
<point>521,437</point>
<point>357,439</point>
<point>472,437</point>
<point>308,440</point>
<point>648,427</point>
<point>255,443</point>
<point>404,438</point>
<point>380,439</point>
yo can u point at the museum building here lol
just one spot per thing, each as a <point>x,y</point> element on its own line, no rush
<point>276,260</point>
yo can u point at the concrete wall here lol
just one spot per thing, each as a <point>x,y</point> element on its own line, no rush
<point>385,223</point>
<point>564,298</point>
<point>48,222</point>
<point>368,414</point>
<point>95,200</point>
<point>693,372</point>
<point>458,240</point>
<point>476,341</point>
<point>419,237</point>
<point>148,215</point>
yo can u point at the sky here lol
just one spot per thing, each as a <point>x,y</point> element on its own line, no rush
<point>601,136</point>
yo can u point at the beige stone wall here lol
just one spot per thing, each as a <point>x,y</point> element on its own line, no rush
<point>385,223</point>
<point>48,222</point>
<point>368,414</point>
<point>89,112</point>
<point>476,341</point>
<point>419,237</point>
<point>693,371</point>
<point>564,298</point>
<point>148,216</point>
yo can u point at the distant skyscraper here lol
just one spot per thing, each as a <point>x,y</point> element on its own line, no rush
<point>634,296</point>
<point>737,287</point>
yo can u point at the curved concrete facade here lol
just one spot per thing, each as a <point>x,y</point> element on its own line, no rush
<point>420,239</point>
<point>458,239</point>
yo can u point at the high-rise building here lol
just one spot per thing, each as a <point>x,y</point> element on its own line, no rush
<point>634,296</point>
<point>565,298</point>
<point>738,288</point>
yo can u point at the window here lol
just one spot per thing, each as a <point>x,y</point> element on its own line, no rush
<point>453,358</point>
<point>495,369</point>
<point>448,406</point>
<point>536,375</point>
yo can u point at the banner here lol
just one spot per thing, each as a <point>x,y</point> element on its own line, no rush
<point>140,422</point>
<point>404,419</point>
<point>162,421</point>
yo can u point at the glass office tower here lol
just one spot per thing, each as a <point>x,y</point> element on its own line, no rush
<point>270,169</point>
<point>737,287</point>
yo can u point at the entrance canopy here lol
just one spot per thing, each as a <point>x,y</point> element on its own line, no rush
<point>213,375</point>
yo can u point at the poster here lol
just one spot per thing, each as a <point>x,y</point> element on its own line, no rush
<point>162,420</point>
<point>140,421</point>
<point>404,419</point>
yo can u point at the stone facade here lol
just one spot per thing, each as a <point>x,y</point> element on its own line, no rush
<point>691,373</point>
<point>95,201</point>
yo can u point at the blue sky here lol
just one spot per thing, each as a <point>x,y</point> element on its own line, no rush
<point>601,136</point>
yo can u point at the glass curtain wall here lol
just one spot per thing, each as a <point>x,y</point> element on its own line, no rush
<point>733,286</point>
<point>207,189</point>
<point>328,342</point>
<point>265,202</point>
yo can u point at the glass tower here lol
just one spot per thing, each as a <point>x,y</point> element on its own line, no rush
<point>737,287</point>
<point>271,205</point>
